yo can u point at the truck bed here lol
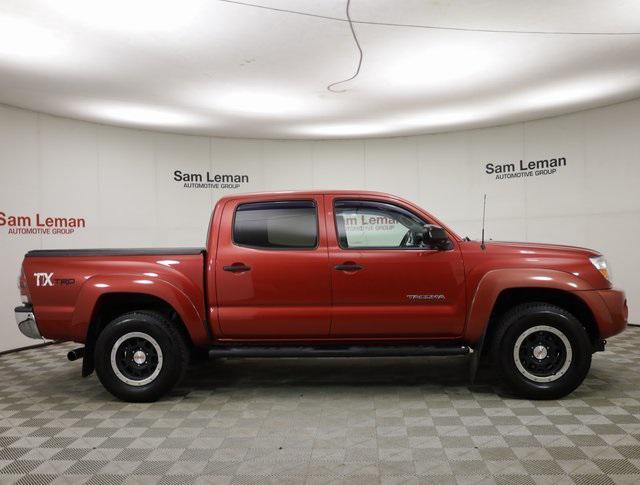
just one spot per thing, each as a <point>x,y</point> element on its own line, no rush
<point>52,253</point>
<point>65,284</point>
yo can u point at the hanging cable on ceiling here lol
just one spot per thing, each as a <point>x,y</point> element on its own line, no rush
<point>331,86</point>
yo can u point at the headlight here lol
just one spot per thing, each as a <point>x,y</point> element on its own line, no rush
<point>601,265</point>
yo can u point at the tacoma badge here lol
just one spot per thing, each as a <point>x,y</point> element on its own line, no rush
<point>438,297</point>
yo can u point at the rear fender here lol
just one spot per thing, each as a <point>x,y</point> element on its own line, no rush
<point>496,281</point>
<point>100,285</point>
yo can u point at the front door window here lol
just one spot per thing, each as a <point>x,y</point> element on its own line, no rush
<point>377,225</point>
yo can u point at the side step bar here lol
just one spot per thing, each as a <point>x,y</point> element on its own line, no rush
<point>346,351</point>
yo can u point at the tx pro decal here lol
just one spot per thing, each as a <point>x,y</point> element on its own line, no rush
<point>438,297</point>
<point>47,279</point>
<point>43,279</point>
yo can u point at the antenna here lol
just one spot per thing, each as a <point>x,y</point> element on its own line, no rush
<point>484,207</point>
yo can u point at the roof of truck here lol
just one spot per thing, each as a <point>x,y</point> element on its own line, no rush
<point>308,192</point>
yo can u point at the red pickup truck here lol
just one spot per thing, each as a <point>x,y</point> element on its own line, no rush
<point>324,274</point>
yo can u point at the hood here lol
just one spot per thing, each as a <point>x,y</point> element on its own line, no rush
<point>506,254</point>
<point>541,248</point>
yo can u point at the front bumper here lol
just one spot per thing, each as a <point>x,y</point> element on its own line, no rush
<point>618,312</point>
<point>26,321</point>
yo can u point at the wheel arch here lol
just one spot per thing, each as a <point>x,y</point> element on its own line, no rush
<point>109,306</point>
<point>511,297</point>
<point>501,289</point>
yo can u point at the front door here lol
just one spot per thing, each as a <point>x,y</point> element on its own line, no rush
<point>271,271</point>
<point>385,282</point>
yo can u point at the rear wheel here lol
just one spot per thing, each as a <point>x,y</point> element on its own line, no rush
<point>140,356</point>
<point>544,352</point>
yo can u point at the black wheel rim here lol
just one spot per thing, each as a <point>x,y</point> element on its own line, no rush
<point>542,353</point>
<point>126,358</point>
<point>136,358</point>
<point>554,353</point>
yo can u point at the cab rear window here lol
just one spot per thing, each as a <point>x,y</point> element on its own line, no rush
<point>276,225</point>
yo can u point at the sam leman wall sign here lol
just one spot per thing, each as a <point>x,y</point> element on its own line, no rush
<point>38,224</point>
<point>522,169</point>
<point>208,180</point>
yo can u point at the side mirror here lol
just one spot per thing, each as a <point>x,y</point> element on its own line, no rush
<point>436,236</point>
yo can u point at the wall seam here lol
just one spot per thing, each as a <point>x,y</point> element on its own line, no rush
<point>211,167</point>
<point>156,191</point>
<point>98,185</point>
<point>39,163</point>
<point>313,165</point>
<point>523,154</point>
<point>364,155</point>
<point>418,172</point>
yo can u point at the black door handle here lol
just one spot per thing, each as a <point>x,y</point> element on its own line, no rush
<point>349,267</point>
<point>237,268</point>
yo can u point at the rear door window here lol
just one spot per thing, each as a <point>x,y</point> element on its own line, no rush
<point>276,225</point>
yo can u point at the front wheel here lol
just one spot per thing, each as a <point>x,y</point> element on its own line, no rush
<point>544,351</point>
<point>140,356</point>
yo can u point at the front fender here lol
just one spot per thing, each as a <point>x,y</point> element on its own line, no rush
<point>99,285</point>
<point>494,282</point>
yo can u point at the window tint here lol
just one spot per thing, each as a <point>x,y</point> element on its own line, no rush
<point>276,225</point>
<point>362,224</point>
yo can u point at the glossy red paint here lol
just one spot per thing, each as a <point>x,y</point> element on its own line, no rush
<point>64,310</point>
<point>299,296</point>
<point>375,301</point>
<point>284,294</point>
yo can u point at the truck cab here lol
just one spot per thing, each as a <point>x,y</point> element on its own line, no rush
<point>326,273</point>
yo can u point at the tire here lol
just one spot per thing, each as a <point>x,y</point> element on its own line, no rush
<point>544,352</point>
<point>140,356</point>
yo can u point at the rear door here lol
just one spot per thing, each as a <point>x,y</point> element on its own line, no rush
<point>384,284</point>
<point>271,270</point>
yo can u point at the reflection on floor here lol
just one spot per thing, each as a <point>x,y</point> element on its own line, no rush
<point>319,420</point>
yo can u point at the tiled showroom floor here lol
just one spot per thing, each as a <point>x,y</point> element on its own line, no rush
<point>319,421</point>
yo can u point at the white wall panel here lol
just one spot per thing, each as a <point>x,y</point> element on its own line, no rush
<point>391,165</point>
<point>563,193</point>
<point>616,235</point>
<point>19,195</point>
<point>229,156</point>
<point>13,250</point>
<point>180,210</point>
<point>127,187</point>
<point>69,177</point>
<point>506,198</point>
<point>443,159</point>
<point>612,156</point>
<point>339,164</point>
<point>121,181</point>
<point>288,165</point>
<point>184,237</point>
<point>68,160</point>
<point>19,147</point>
<point>506,229</point>
<point>572,230</point>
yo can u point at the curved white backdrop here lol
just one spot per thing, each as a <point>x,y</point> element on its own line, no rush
<point>121,183</point>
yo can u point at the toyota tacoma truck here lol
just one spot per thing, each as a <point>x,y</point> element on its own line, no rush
<point>324,274</point>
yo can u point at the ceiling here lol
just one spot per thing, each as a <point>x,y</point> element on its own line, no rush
<point>222,68</point>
